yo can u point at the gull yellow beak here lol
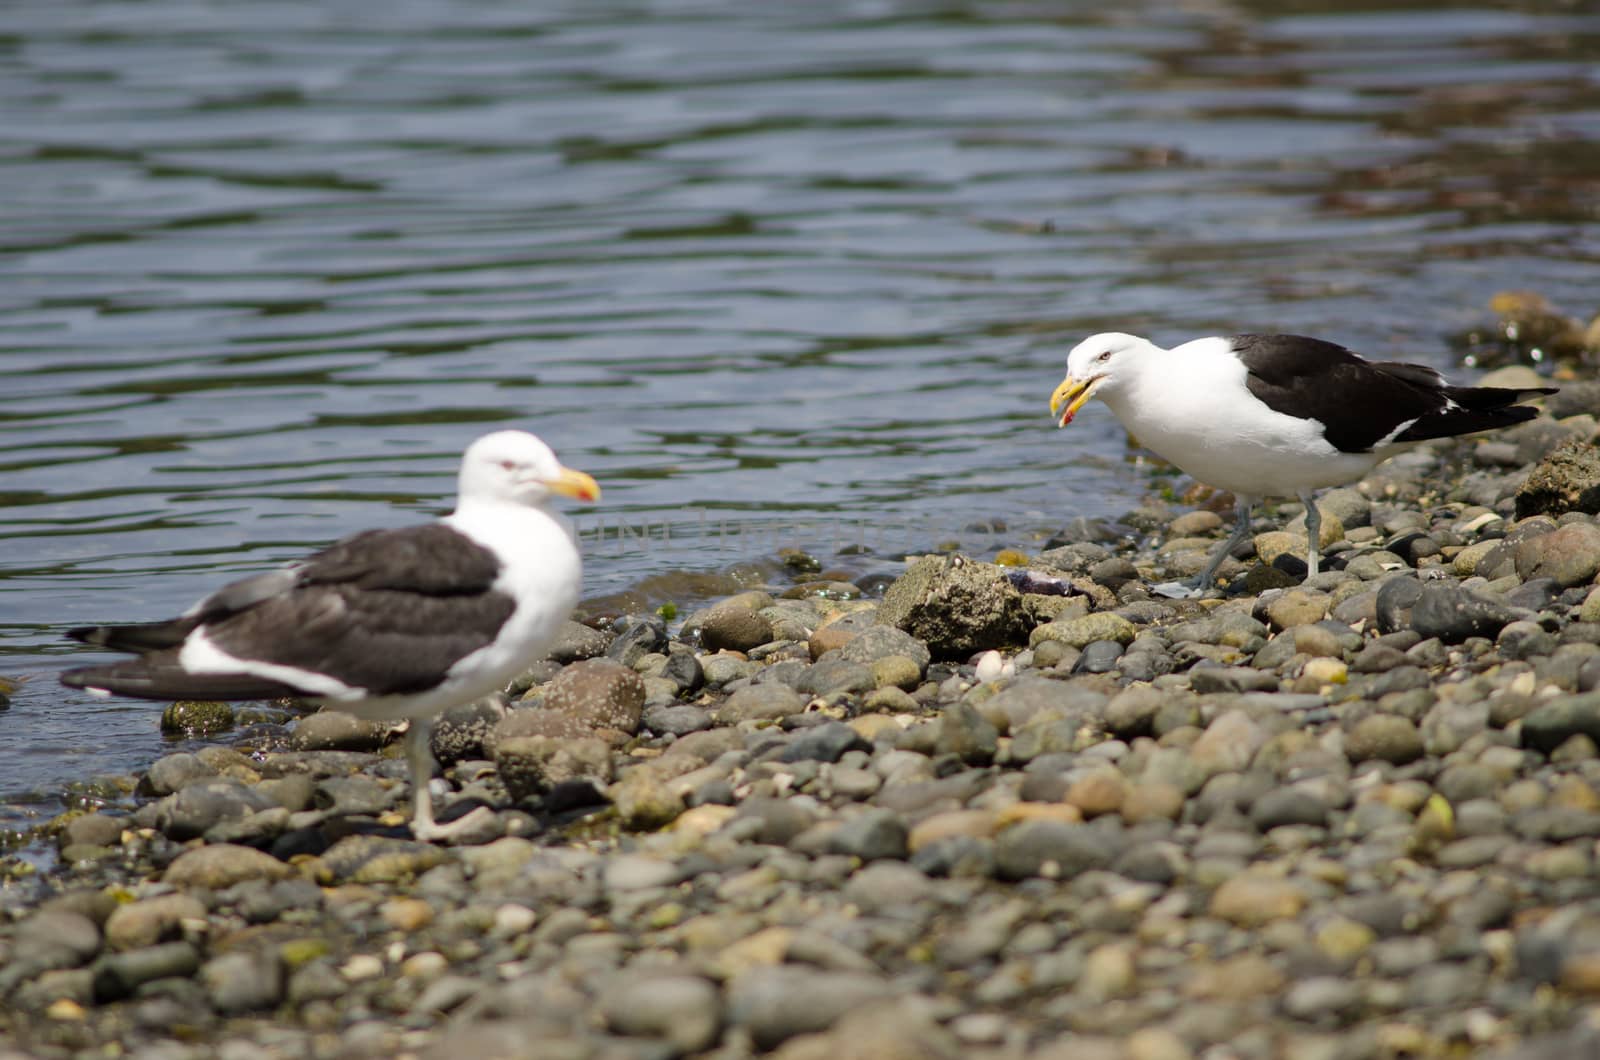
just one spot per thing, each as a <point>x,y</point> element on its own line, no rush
<point>574,484</point>
<point>1072,393</point>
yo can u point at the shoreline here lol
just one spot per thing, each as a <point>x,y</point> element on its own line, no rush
<point>1345,819</point>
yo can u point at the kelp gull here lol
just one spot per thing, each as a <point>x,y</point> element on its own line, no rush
<point>387,624</point>
<point>1273,415</point>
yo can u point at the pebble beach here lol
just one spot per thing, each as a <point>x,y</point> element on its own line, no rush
<point>1010,806</point>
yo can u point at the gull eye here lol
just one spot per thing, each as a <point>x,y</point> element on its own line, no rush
<point>1105,356</point>
<point>509,465</point>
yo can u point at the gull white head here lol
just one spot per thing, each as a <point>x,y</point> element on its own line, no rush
<point>515,467</point>
<point>1098,362</point>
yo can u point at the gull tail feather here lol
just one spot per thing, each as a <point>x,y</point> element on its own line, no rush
<point>159,676</point>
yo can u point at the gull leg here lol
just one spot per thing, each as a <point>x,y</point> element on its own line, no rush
<point>1313,533</point>
<point>1241,530</point>
<point>419,756</point>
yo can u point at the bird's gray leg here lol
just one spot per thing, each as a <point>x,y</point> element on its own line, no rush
<point>1241,529</point>
<point>1313,533</point>
<point>419,756</point>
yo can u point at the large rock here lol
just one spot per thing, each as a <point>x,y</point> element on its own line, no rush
<point>1570,555</point>
<point>1451,613</point>
<point>600,693</point>
<point>1566,480</point>
<point>1552,723</point>
<point>955,606</point>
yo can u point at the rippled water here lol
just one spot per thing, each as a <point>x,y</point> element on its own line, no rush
<point>774,273</point>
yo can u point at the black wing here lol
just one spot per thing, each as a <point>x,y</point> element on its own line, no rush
<point>388,611</point>
<point>1360,403</point>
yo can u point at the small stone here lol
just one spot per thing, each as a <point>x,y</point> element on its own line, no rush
<point>576,641</point>
<point>1082,631</point>
<point>1288,806</point>
<point>1228,744</point>
<point>880,642</point>
<point>731,627</point>
<point>152,920</point>
<point>462,731</point>
<point>1052,849</point>
<point>1344,941</point>
<point>1252,899</point>
<point>1108,972</point>
<point>204,803</point>
<point>170,772</point>
<point>1195,524</point>
<point>1297,607</point>
<point>768,701</point>
<point>644,803</point>
<point>637,636</point>
<point>219,866</point>
<point>118,975</point>
<point>1151,800</point>
<point>376,859</point>
<point>823,743</point>
<point>243,981</point>
<point>775,1004</point>
<point>684,1010</point>
<point>94,829</point>
<point>532,765</point>
<point>1100,792</point>
<point>871,836</point>
<point>896,671</point>
<point>1321,672</point>
<point>1385,737</point>
<point>408,915</point>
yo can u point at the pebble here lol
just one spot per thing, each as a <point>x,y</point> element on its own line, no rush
<point>1358,814</point>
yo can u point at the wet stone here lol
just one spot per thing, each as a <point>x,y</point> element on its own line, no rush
<point>197,717</point>
<point>334,730</point>
<point>171,772</point>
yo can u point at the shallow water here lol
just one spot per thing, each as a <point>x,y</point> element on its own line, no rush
<point>776,274</point>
